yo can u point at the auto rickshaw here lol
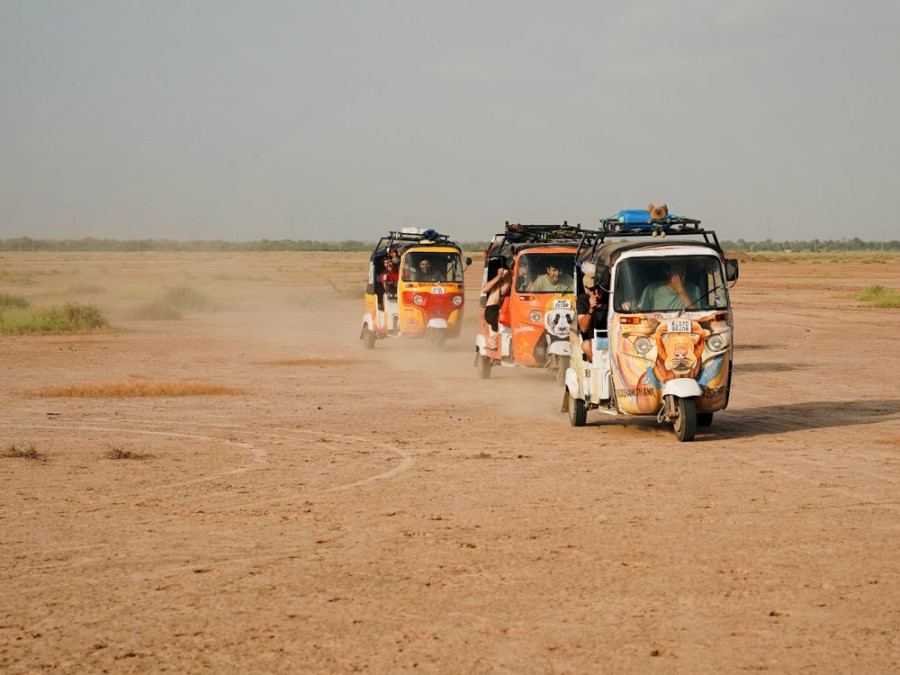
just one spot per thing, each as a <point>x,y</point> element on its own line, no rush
<point>419,293</point>
<point>536,316</point>
<point>659,351</point>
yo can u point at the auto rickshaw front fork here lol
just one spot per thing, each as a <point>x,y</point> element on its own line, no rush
<point>669,411</point>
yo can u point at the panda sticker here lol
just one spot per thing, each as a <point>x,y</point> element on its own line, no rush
<point>558,322</point>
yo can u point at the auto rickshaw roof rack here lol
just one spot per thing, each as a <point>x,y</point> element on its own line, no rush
<point>413,235</point>
<point>522,233</point>
<point>675,226</point>
<point>410,236</point>
<point>516,234</point>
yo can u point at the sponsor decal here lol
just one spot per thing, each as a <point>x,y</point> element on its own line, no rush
<point>637,391</point>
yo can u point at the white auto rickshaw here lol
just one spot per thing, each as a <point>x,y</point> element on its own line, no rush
<point>657,351</point>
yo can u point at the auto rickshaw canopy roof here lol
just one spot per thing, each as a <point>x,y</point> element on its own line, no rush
<point>607,253</point>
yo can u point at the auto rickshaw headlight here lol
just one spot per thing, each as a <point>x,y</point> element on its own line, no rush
<point>716,342</point>
<point>457,300</point>
<point>642,345</point>
<point>534,316</point>
<point>418,299</point>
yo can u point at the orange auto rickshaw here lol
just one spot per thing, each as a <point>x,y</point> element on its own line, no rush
<point>415,288</point>
<point>535,318</point>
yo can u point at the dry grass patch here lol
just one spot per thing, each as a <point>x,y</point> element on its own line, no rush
<point>311,362</point>
<point>86,340</point>
<point>172,304</point>
<point>10,301</point>
<point>136,388</point>
<point>21,449</point>
<point>121,453</point>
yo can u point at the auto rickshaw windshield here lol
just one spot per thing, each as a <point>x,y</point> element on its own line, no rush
<point>426,266</point>
<point>665,284</point>
<point>545,273</point>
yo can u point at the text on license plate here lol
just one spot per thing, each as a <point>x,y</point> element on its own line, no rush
<point>679,325</point>
<point>437,290</point>
<point>562,304</point>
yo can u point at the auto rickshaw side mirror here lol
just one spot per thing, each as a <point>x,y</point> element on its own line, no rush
<point>731,269</point>
<point>468,261</point>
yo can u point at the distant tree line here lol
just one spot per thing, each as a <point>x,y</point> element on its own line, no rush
<point>93,244</point>
<point>265,245</point>
<point>812,245</point>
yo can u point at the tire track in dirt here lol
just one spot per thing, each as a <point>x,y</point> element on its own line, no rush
<point>259,456</point>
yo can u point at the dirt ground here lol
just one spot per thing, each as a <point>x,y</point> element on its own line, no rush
<point>388,511</point>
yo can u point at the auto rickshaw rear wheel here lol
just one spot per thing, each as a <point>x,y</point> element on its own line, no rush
<point>368,338</point>
<point>577,411</point>
<point>704,419</point>
<point>685,419</point>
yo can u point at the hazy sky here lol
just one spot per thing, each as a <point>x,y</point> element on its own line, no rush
<point>333,120</point>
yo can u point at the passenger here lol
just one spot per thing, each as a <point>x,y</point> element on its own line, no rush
<point>389,277</point>
<point>554,281</point>
<point>497,289</point>
<point>673,293</point>
<point>427,272</point>
<point>591,309</point>
<point>523,275</point>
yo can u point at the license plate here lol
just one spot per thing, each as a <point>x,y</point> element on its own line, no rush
<point>437,290</point>
<point>679,325</point>
<point>562,304</point>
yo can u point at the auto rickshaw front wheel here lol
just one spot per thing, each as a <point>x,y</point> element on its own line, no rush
<point>577,411</point>
<point>685,419</point>
<point>562,365</point>
<point>438,337</point>
<point>368,338</point>
<point>484,367</point>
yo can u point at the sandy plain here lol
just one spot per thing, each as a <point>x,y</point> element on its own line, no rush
<point>387,511</point>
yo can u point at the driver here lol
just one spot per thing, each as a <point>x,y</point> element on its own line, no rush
<point>427,271</point>
<point>673,292</point>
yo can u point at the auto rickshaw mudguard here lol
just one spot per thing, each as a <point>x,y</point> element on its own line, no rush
<point>572,383</point>
<point>559,347</point>
<point>682,387</point>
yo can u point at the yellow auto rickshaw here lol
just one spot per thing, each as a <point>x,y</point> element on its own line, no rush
<point>415,288</point>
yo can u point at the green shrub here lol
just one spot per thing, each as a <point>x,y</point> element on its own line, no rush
<point>71,317</point>
<point>879,296</point>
